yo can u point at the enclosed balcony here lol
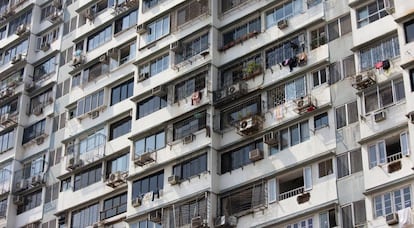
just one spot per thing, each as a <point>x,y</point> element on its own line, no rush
<point>5,181</point>
<point>32,176</point>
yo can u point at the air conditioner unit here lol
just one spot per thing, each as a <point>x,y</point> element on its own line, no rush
<point>17,58</point>
<point>255,155</point>
<point>103,58</point>
<point>113,53</point>
<point>155,216</point>
<point>219,95</point>
<point>158,91</point>
<point>89,14</point>
<point>391,219</point>
<point>36,180</point>
<point>38,110</point>
<point>21,29</point>
<point>379,116</point>
<point>249,125</point>
<point>45,46</point>
<point>225,221</point>
<point>174,179</point>
<point>136,202</point>
<point>364,80</point>
<point>77,60</point>
<point>175,46</point>
<point>29,86</point>
<point>188,139</point>
<point>305,104</point>
<point>237,89</point>
<point>18,200</point>
<point>410,117</point>
<point>115,178</point>
<point>55,16</point>
<point>143,76</point>
<point>144,158</point>
<point>94,114</point>
<point>74,163</point>
<point>389,6</point>
<point>282,24</point>
<point>198,222</point>
<point>141,29</point>
<point>40,140</point>
<point>271,138</point>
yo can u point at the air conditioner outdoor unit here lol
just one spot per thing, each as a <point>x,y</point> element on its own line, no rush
<point>18,200</point>
<point>21,29</point>
<point>174,179</point>
<point>94,114</point>
<point>36,180</point>
<point>40,140</point>
<point>248,125</point>
<point>77,60</point>
<point>141,29</point>
<point>364,80</point>
<point>74,163</point>
<point>17,58</point>
<point>103,58</point>
<point>158,91</point>
<point>143,76</point>
<point>188,139</point>
<point>255,155</point>
<point>271,138</point>
<point>115,178</point>
<point>391,219</point>
<point>155,216</point>
<point>144,158</point>
<point>410,117</point>
<point>175,46</point>
<point>45,46</point>
<point>225,221</point>
<point>136,202</point>
<point>38,110</point>
<point>379,116</point>
<point>219,95</point>
<point>282,24</point>
<point>55,16</point>
<point>198,222</point>
<point>389,7</point>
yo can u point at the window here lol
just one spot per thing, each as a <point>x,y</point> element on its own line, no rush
<point>371,12</point>
<point>7,140</point>
<point>20,48</point>
<point>55,156</point>
<point>148,4</point>
<point>90,103</point>
<point>244,199</point>
<point>232,116</point>
<point>88,177</point>
<point>76,80</point>
<point>66,56</point>
<point>388,150</point>
<point>65,184</point>
<point>289,91</point>
<point>181,215</point>
<point>62,88</point>
<point>34,131</point>
<point>339,27</point>
<point>321,121</point>
<point>122,91</point>
<point>114,206</point>
<point>189,125</point>
<point>349,163</point>
<point>186,88</point>
<point>412,80</point>
<point>95,71</point>
<point>120,128</point>
<point>155,66</point>
<point>3,32</point>
<point>348,66</point>
<point>150,143</point>
<point>319,77</point>
<point>5,179</point>
<point>353,215</point>
<point>386,49</point>
<point>150,105</point>
<point>126,54</point>
<point>242,32</point>
<point>99,38</point>
<point>384,95</point>
<point>152,183</point>
<point>325,168</point>
<point>13,78</point>
<point>242,69</point>
<point>307,223</point>
<point>297,182</point>
<point>145,223</point>
<point>85,217</point>
<point>10,108</point>
<point>126,22</point>
<point>228,5</point>
<point>32,168</point>
<point>49,224</point>
<point>47,11</point>
<point>346,114</point>
<point>31,201</point>
<point>41,100</point>
<point>23,19</point>
<point>47,38</point>
<point>158,29</point>
<point>3,208</point>
<point>284,11</point>
<point>52,192</point>
<point>409,31</point>
<point>391,202</point>
<point>119,164</point>
<point>192,48</point>
<point>327,219</point>
<point>191,10</point>
<point>342,69</point>
<point>239,157</point>
<point>291,136</point>
<point>318,37</point>
<point>191,167</point>
<point>91,142</point>
<point>283,51</point>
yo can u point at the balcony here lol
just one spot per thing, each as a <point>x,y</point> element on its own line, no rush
<point>31,176</point>
<point>86,152</point>
<point>9,119</point>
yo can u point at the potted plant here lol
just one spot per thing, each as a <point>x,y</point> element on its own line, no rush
<point>252,69</point>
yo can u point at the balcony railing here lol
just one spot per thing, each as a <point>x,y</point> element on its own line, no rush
<point>30,177</point>
<point>291,193</point>
<point>113,211</point>
<point>394,157</point>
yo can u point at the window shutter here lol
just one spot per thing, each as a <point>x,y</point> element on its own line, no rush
<point>372,152</point>
<point>404,144</point>
<point>272,190</point>
<point>307,178</point>
<point>382,152</point>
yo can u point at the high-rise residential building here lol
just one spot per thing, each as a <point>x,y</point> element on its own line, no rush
<point>206,113</point>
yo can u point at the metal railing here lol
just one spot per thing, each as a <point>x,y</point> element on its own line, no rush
<point>291,193</point>
<point>394,157</point>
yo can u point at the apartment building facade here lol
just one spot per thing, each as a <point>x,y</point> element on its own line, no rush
<point>206,113</point>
